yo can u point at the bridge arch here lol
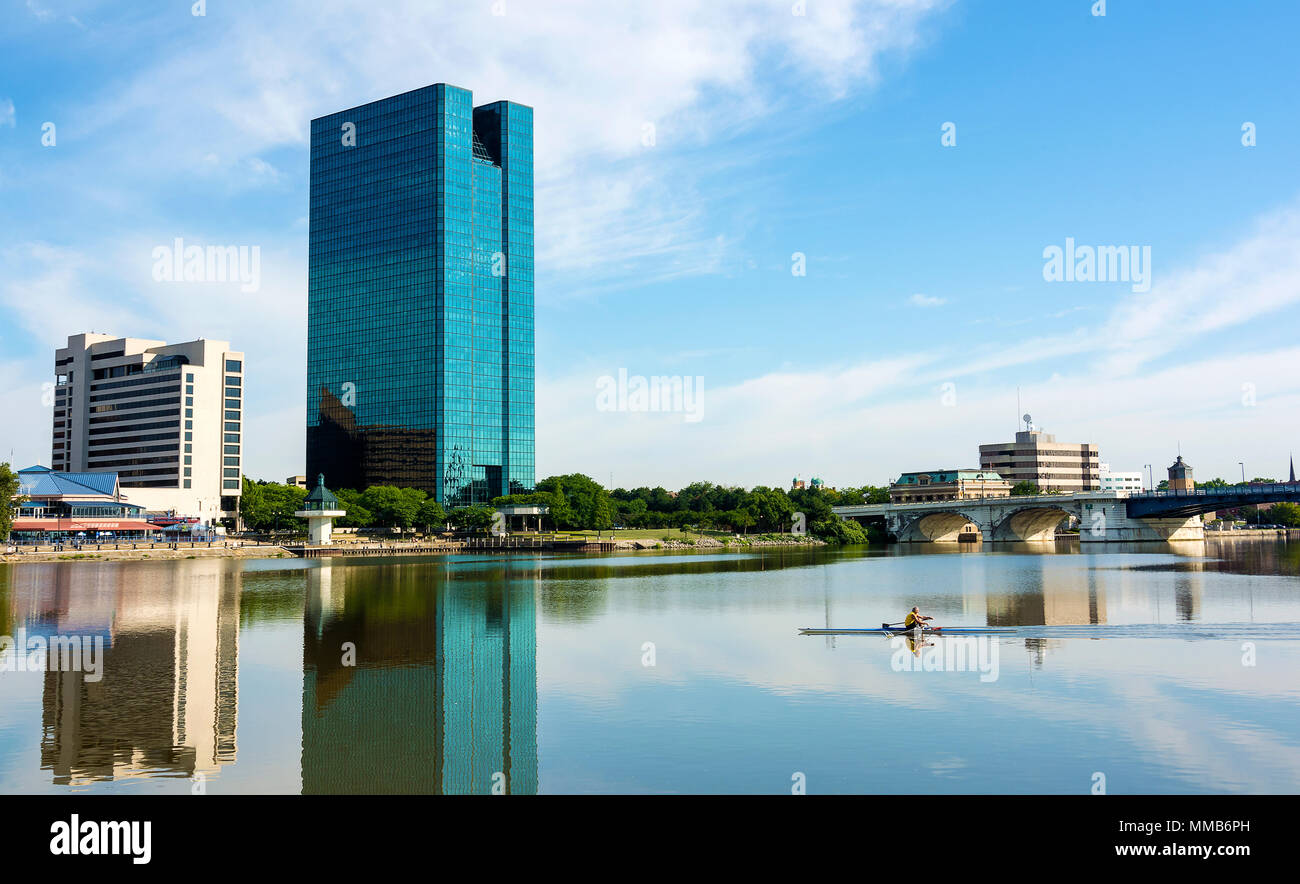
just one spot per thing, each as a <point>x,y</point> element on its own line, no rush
<point>941,526</point>
<point>1036,522</point>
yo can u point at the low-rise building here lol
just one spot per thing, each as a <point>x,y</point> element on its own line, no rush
<point>948,485</point>
<point>1111,480</point>
<point>61,506</point>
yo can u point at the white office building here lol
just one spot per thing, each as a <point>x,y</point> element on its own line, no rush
<point>1113,481</point>
<point>167,418</point>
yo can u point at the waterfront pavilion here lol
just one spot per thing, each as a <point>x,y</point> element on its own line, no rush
<point>320,509</point>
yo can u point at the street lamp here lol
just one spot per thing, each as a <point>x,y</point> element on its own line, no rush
<point>1243,482</point>
<point>1151,477</point>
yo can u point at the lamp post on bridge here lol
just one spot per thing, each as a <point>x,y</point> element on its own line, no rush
<point>1243,483</point>
<point>1151,477</point>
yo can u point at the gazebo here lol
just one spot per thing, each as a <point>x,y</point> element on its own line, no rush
<point>320,509</point>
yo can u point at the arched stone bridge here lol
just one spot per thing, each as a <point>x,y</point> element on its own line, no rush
<point>1101,516</point>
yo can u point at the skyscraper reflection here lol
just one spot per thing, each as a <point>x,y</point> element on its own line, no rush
<point>167,702</point>
<point>420,679</point>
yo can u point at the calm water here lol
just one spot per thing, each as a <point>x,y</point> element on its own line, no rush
<point>1164,669</point>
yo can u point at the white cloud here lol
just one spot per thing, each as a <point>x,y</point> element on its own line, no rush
<point>920,300</point>
<point>113,292</point>
<point>868,422</point>
<point>608,203</point>
<point>222,105</point>
<point>8,116</point>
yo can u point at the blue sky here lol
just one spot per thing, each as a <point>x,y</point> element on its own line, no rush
<point>924,304</point>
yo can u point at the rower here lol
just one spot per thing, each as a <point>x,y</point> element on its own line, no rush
<point>915,619</point>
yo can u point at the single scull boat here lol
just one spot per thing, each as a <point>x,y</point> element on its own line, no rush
<point>901,630</point>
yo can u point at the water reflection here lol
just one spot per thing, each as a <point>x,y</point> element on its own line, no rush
<point>442,694</point>
<point>405,676</point>
<point>167,702</point>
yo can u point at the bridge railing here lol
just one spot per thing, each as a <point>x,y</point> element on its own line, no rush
<point>1249,488</point>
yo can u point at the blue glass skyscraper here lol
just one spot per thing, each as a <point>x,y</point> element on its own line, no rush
<point>420,296</point>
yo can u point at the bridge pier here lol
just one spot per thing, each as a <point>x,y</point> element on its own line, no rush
<point>1107,521</point>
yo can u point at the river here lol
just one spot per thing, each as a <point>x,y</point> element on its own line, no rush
<point>1136,669</point>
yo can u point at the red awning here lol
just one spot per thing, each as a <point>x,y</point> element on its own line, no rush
<point>83,525</point>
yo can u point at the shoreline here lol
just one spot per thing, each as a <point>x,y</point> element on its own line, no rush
<point>392,549</point>
<point>358,550</point>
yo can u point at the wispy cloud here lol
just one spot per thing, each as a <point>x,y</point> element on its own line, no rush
<point>8,116</point>
<point>919,300</point>
<point>867,422</point>
<point>620,100</point>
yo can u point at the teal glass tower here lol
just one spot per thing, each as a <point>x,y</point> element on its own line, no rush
<point>420,296</point>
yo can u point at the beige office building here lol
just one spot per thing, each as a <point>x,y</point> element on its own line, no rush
<point>1037,457</point>
<point>167,418</point>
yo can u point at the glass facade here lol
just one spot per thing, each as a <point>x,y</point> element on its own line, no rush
<point>420,296</point>
<point>444,699</point>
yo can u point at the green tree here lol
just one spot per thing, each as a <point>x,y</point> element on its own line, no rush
<point>270,506</point>
<point>392,507</point>
<point>471,518</point>
<point>836,530</point>
<point>876,493</point>
<point>741,520</point>
<point>252,505</point>
<point>1287,514</point>
<point>431,516</point>
<point>1024,487</point>
<point>772,509</point>
<point>580,502</point>
<point>358,516</point>
<point>9,499</point>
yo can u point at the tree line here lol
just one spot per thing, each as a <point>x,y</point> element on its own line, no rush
<point>578,502</point>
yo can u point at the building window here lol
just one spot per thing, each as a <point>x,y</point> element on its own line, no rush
<point>189,437</point>
<point>232,391</point>
<point>232,416</point>
<point>230,483</point>
<point>189,425</point>
<point>189,449</point>
<point>231,461</point>
<point>188,460</point>
<point>232,403</point>
<point>189,389</point>
<point>185,483</point>
<point>232,437</point>
<point>234,365</point>
<point>230,473</point>
<point>232,427</point>
<point>232,449</point>
<point>189,378</point>
<point>189,412</point>
<point>189,471</point>
<point>189,400</point>
<point>234,382</point>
